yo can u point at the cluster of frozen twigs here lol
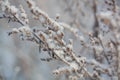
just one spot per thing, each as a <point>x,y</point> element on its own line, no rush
<point>105,45</point>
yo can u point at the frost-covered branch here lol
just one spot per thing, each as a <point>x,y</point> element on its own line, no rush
<point>105,45</point>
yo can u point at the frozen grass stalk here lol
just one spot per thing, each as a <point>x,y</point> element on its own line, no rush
<point>51,39</point>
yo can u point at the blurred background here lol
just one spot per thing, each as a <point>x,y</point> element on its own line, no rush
<point>20,60</point>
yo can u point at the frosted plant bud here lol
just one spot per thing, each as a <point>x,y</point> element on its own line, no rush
<point>64,48</point>
<point>26,21</point>
<point>95,74</point>
<point>107,15</point>
<point>70,41</point>
<point>23,15</point>
<point>25,30</point>
<point>70,45</point>
<point>35,10</point>
<point>15,30</point>
<point>21,29</point>
<point>99,49</point>
<point>63,42</point>
<point>13,9</point>
<point>82,60</point>
<point>21,9</point>
<point>96,40</point>
<point>50,35</point>
<point>60,34</point>
<point>57,16</point>
<point>73,77</point>
<point>51,43</point>
<point>81,38</point>
<point>90,34</point>
<point>4,4</point>
<point>30,3</point>
<point>74,65</point>
<point>43,36</point>
<point>7,9</point>
<point>56,26</point>
<point>59,26</point>
<point>68,58</point>
<point>60,53</point>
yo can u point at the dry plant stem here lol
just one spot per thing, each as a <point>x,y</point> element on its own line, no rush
<point>63,60</point>
<point>55,27</point>
<point>104,50</point>
<point>95,55</point>
<point>116,45</point>
<point>19,21</point>
<point>119,66</point>
<point>114,6</point>
<point>51,40</point>
<point>10,18</point>
<point>50,22</point>
<point>88,73</point>
<point>96,24</point>
<point>37,12</point>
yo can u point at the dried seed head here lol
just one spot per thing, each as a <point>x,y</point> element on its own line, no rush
<point>57,16</point>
